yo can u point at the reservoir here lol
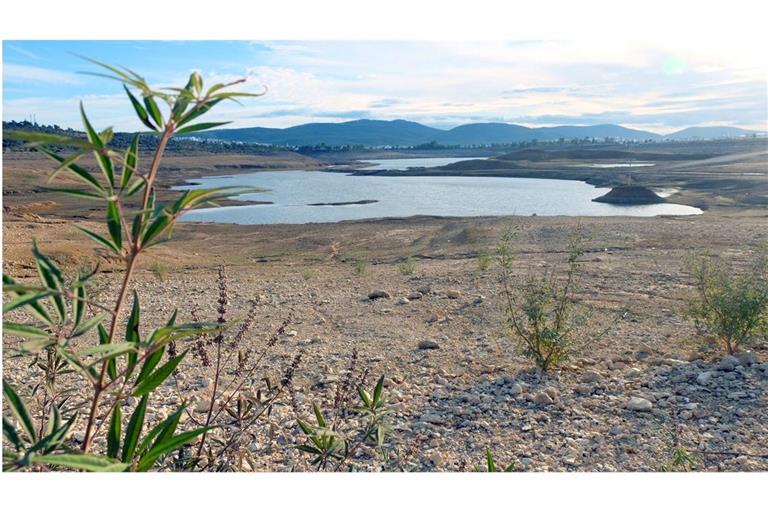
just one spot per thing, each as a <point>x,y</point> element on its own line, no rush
<point>301,197</point>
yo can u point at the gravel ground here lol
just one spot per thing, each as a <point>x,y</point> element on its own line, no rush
<point>454,381</point>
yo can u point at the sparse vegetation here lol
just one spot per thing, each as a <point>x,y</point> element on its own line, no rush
<point>159,270</point>
<point>360,264</point>
<point>484,260</point>
<point>408,267</point>
<point>541,309</point>
<point>728,303</point>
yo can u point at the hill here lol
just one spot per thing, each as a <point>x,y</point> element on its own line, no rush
<point>709,132</point>
<point>370,132</point>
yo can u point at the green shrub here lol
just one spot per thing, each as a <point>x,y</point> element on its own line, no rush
<point>728,303</point>
<point>125,359</point>
<point>542,312</point>
<point>484,260</point>
<point>407,267</point>
<point>360,265</point>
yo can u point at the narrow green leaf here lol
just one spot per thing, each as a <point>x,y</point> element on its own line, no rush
<point>35,345</point>
<point>490,461</point>
<point>150,363</point>
<point>104,340</point>
<point>105,163</point>
<point>113,435</point>
<point>80,461</point>
<point>161,431</point>
<point>153,110</point>
<point>78,304</point>
<point>130,162</point>
<point>24,331</point>
<point>28,299</point>
<point>108,351</point>
<point>200,127</point>
<point>140,111</point>
<point>17,407</point>
<point>50,275</point>
<point>377,390</point>
<point>318,415</point>
<point>153,380</point>
<point>132,432</point>
<point>88,325</point>
<point>167,446</point>
<point>11,435</point>
<point>35,308</point>
<point>80,172</point>
<point>113,223</point>
<point>198,111</point>
<point>99,239</point>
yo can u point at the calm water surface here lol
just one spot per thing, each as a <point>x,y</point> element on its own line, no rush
<point>292,193</point>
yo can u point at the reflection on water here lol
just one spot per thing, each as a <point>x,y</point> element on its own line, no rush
<point>292,193</point>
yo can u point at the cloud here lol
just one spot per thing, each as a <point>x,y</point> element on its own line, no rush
<point>20,73</point>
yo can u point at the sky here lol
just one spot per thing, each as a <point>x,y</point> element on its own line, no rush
<point>438,83</point>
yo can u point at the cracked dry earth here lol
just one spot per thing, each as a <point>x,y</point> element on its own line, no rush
<point>454,381</point>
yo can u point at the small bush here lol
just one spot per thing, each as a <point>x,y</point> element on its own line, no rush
<point>159,270</point>
<point>484,260</point>
<point>407,267</point>
<point>541,309</point>
<point>360,265</point>
<point>730,304</point>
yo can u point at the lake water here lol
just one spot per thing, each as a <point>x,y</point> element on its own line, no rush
<point>293,192</point>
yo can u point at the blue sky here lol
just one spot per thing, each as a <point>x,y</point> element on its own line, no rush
<point>441,84</point>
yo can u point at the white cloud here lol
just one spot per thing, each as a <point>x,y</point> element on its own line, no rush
<point>19,73</point>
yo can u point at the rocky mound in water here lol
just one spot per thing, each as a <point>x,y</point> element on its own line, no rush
<point>629,195</point>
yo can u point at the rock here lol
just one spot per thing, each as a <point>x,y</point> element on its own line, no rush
<point>379,294</point>
<point>292,334</point>
<point>433,418</point>
<point>414,296</point>
<point>747,358</point>
<point>428,345</point>
<point>583,389</point>
<point>542,398</point>
<point>436,459</point>
<point>515,389</point>
<point>453,294</point>
<point>590,376</point>
<point>704,378</point>
<point>435,318</point>
<point>424,290</point>
<point>639,404</point>
<point>728,364</point>
<point>403,300</point>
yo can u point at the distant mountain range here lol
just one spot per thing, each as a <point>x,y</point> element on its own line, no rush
<point>369,132</point>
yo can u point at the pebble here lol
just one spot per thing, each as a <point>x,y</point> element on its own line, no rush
<point>403,300</point>
<point>542,398</point>
<point>428,345</point>
<point>379,294</point>
<point>704,378</point>
<point>639,404</point>
<point>728,364</point>
<point>590,376</point>
<point>747,358</point>
<point>414,296</point>
<point>453,294</point>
